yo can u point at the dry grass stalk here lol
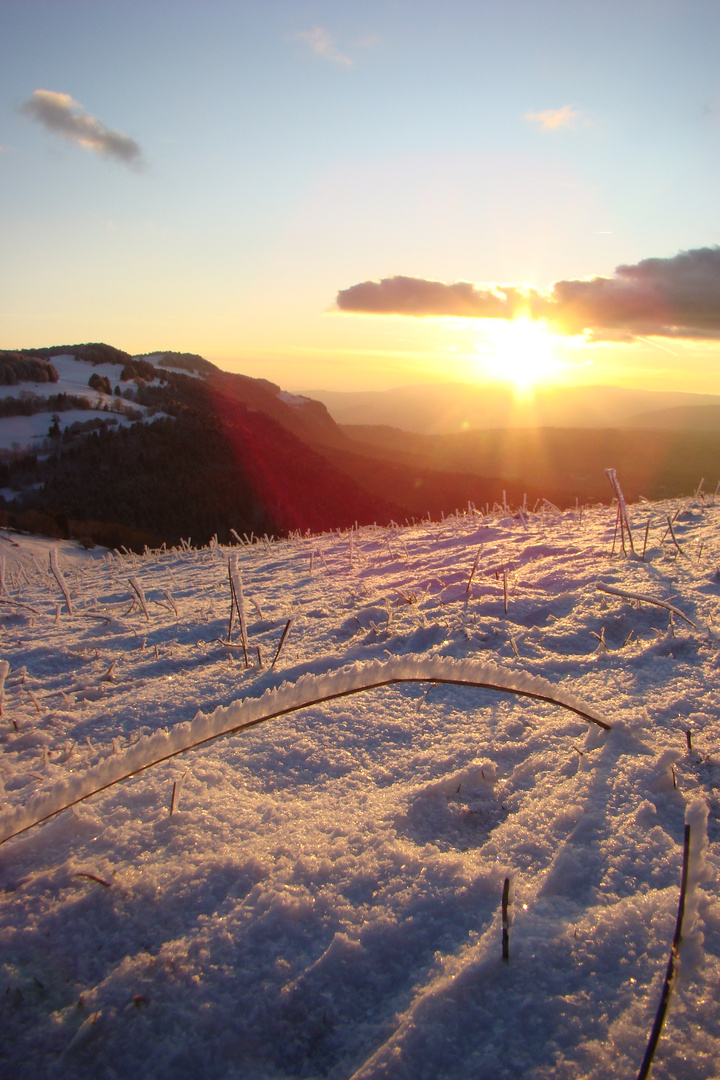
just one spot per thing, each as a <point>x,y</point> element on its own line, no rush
<point>622,514</point>
<point>285,633</point>
<point>4,672</point>
<point>57,574</point>
<point>474,568</point>
<point>643,599</point>
<point>674,538</point>
<point>177,784</point>
<point>139,592</point>
<point>487,678</point>
<point>94,877</point>
<point>237,603</point>
<point>505,924</point>
<point>671,972</point>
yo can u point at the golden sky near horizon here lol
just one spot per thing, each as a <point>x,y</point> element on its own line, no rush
<point>367,195</point>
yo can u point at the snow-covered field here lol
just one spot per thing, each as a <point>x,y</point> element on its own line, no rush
<point>325,898</point>
<point>22,433</point>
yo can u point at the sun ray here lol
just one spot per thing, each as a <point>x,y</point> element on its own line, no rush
<point>520,352</point>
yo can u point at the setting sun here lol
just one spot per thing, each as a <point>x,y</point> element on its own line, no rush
<point>520,352</point>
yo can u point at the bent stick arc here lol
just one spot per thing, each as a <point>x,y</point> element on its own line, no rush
<point>239,716</point>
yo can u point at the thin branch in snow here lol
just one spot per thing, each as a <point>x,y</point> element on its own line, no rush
<point>4,672</point>
<point>622,511</point>
<point>57,574</point>
<point>94,877</point>
<point>505,924</point>
<point>644,599</point>
<point>17,603</point>
<point>171,601</point>
<point>109,676</point>
<point>674,538</point>
<point>237,602</point>
<point>139,592</point>
<point>285,633</point>
<point>474,568</point>
<point>34,698</point>
<point>243,715</point>
<point>177,784</point>
<point>693,871</point>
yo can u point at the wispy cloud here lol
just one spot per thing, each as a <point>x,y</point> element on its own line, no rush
<point>61,115</point>
<point>677,297</point>
<point>322,44</point>
<point>554,119</point>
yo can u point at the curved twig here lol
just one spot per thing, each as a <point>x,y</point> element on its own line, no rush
<point>643,599</point>
<point>671,971</point>
<point>288,698</point>
<point>18,603</point>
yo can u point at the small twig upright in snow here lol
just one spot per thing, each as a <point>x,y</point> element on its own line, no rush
<point>57,573</point>
<point>474,568</point>
<point>4,671</point>
<point>693,872</point>
<point>285,633</point>
<point>622,516</point>
<point>138,590</point>
<point>237,603</point>
<point>674,538</point>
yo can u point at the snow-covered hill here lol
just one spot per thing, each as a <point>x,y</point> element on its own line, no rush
<point>324,899</point>
<point>29,433</point>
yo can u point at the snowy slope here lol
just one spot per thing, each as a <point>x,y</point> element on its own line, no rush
<point>324,901</point>
<point>21,433</point>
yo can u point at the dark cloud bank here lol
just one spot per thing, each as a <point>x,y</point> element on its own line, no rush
<point>61,115</point>
<point>675,297</point>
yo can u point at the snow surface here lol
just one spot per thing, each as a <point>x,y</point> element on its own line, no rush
<point>73,378</point>
<point>324,901</point>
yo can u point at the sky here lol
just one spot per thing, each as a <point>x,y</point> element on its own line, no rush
<point>367,194</point>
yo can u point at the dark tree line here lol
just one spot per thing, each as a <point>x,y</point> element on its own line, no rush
<point>196,476</point>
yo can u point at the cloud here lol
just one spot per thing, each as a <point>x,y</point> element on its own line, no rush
<point>674,297</point>
<point>63,116</point>
<point>677,297</point>
<point>417,296</point>
<point>554,119</point>
<point>322,44</point>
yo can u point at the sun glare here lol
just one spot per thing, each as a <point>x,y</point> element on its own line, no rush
<point>520,352</point>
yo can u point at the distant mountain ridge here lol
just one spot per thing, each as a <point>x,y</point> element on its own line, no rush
<point>172,446</point>
<point>446,408</point>
<point>150,448</point>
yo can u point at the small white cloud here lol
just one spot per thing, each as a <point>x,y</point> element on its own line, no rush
<point>554,119</point>
<point>61,115</point>
<point>322,44</point>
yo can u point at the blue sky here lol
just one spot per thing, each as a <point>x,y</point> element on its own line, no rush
<point>288,151</point>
